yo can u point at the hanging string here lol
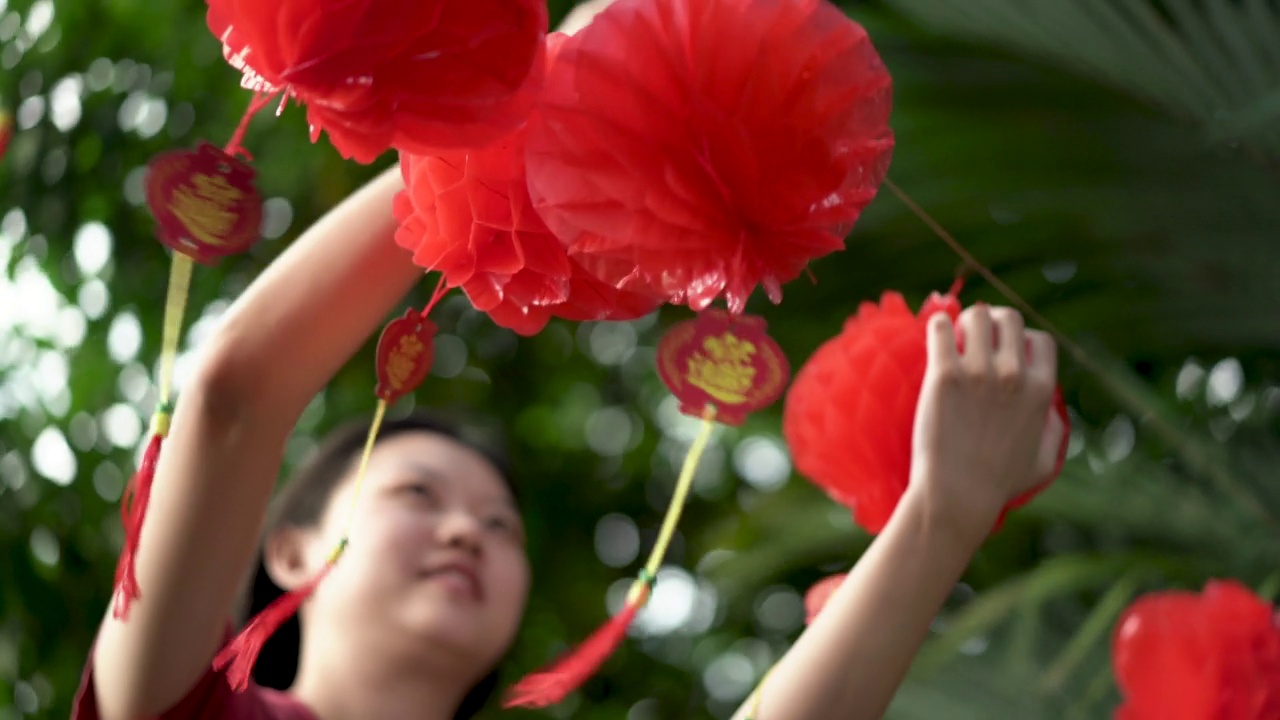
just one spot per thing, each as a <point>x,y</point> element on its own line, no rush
<point>552,685</point>
<point>440,291</point>
<point>753,712</point>
<point>137,494</point>
<point>240,655</point>
<point>1187,446</point>
<point>684,482</point>
<point>234,147</point>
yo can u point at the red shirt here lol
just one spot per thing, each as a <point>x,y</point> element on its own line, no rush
<point>210,699</point>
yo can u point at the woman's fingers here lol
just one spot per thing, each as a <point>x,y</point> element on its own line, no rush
<point>975,323</point>
<point>1011,347</point>
<point>944,355</point>
<point>1042,359</point>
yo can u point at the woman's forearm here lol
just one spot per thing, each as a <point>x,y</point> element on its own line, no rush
<point>849,662</point>
<point>312,309</point>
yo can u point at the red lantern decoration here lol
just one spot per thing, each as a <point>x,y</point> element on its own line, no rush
<point>817,596</point>
<point>409,74</point>
<point>709,146</point>
<point>468,216</point>
<point>1183,656</point>
<point>849,415</point>
<point>204,202</point>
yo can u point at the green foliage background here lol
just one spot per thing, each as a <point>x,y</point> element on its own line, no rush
<point>1112,160</point>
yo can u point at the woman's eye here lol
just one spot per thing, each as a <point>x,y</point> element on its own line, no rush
<point>421,490</point>
<point>503,525</point>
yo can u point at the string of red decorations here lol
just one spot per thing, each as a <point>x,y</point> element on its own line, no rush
<point>374,76</point>
<point>849,415</point>
<point>692,150</point>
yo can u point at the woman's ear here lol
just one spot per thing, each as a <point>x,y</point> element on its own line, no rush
<point>286,558</point>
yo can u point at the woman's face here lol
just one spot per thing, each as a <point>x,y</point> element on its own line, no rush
<point>436,563</point>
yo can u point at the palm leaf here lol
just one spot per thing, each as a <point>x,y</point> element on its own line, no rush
<point>1214,61</point>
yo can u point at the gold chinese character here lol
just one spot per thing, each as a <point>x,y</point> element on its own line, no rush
<point>399,370</point>
<point>724,368</point>
<point>206,207</point>
<point>410,345</point>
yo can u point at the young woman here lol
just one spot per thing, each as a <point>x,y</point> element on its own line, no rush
<point>412,622</point>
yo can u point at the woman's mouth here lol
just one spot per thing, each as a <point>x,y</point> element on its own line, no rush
<point>461,579</point>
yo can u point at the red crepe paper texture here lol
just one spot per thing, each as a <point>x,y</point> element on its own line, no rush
<point>704,147</point>
<point>1210,656</point>
<point>818,596</point>
<point>468,216</point>
<point>850,413</point>
<point>409,74</point>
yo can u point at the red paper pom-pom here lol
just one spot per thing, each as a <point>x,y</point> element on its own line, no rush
<point>468,216</point>
<point>409,74</point>
<point>817,596</point>
<point>850,413</point>
<point>711,145</point>
<point>1182,656</point>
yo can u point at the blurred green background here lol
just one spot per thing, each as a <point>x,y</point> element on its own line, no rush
<point>1113,160</point>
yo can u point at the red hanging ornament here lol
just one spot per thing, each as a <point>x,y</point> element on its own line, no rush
<point>468,216</point>
<point>6,131</point>
<point>720,367</point>
<point>818,595</point>
<point>1185,656</point>
<point>552,685</point>
<point>206,207</point>
<point>374,74</point>
<point>849,415</point>
<point>723,361</point>
<point>406,350</point>
<point>204,202</point>
<point>239,656</point>
<point>710,146</point>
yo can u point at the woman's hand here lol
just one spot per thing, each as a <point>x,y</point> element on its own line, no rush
<point>984,433</point>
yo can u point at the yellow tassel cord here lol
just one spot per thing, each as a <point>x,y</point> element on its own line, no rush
<point>175,307</point>
<point>379,414</point>
<point>683,484</point>
<point>753,713</point>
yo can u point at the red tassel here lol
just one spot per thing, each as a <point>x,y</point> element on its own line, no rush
<point>567,674</point>
<point>133,510</point>
<point>239,656</point>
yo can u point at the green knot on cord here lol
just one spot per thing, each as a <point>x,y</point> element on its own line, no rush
<point>648,578</point>
<point>337,551</point>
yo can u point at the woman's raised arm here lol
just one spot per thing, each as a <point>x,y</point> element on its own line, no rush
<point>980,440</point>
<point>279,345</point>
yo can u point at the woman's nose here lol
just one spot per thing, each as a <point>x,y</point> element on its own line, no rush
<point>459,529</point>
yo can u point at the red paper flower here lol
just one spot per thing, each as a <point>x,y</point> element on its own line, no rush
<point>468,215</point>
<point>1212,656</point>
<point>711,145</point>
<point>818,595</point>
<point>850,412</point>
<point>409,74</point>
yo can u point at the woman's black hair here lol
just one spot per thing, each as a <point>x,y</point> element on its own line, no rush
<point>303,502</point>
